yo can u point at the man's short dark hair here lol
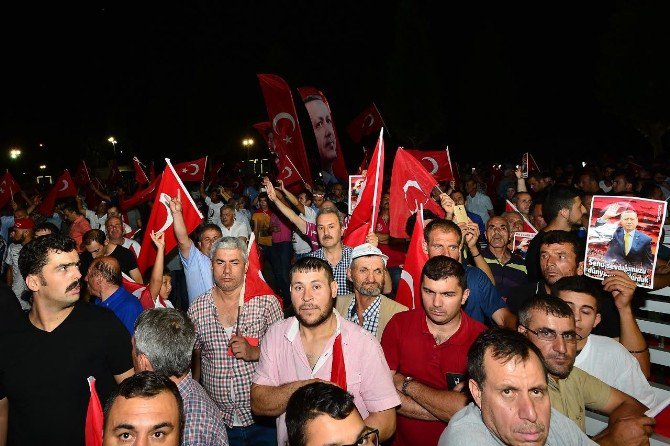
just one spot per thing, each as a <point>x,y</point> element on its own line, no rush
<point>506,345</point>
<point>550,305</point>
<point>308,195</point>
<point>411,220</point>
<point>35,254</point>
<point>93,235</point>
<point>312,400</point>
<point>578,284</point>
<point>443,267</point>
<point>207,226</point>
<point>146,385</point>
<point>442,225</point>
<point>557,198</point>
<point>46,226</point>
<point>309,264</point>
<point>567,238</point>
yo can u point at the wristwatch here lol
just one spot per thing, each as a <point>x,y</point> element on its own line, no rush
<point>403,389</point>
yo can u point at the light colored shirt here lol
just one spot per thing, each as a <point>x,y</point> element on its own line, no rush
<point>198,272</point>
<point>240,228</point>
<point>480,204</point>
<point>283,360</point>
<point>609,361</point>
<point>214,211</point>
<point>132,245</point>
<point>571,395</point>
<point>18,284</point>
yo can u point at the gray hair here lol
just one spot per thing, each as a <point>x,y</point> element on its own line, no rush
<point>330,210</point>
<point>166,337</point>
<point>230,243</point>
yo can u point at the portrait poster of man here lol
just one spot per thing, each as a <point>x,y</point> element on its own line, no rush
<point>623,234</point>
<point>521,242</point>
<point>355,189</point>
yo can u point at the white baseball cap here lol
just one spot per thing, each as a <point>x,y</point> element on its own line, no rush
<point>366,249</point>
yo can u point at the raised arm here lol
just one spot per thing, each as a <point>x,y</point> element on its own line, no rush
<point>288,212</point>
<point>156,279</point>
<point>520,181</point>
<point>291,198</point>
<point>179,226</point>
<point>471,235</point>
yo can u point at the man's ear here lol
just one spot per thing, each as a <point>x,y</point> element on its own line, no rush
<point>349,274</point>
<point>143,363</point>
<point>580,268</point>
<point>476,392</point>
<point>565,213</point>
<point>466,294</point>
<point>333,289</point>
<point>598,319</point>
<point>424,245</point>
<point>33,282</point>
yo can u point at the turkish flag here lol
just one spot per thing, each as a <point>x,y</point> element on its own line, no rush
<point>324,127</point>
<point>8,187</point>
<point>140,176</point>
<point>364,217</point>
<point>94,417</point>
<point>528,165</point>
<point>160,219</point>
<point>338,372</point>
<point>436,162</point>
<point>367,123</point>
<point>114,174</point>
<point>83,176</point>
<point>411,187</point>
<point>191,170</point>
<point>288,173</point>
<point>409,286</point>
<point>214,171</point>
<point>265,130</point>
<point>143,294</point>
<point>62,188</point>
<point>254,282</point>
<point>93,199</point>
<point>286,135</point>
<point>527,227</point>
<point>142,195</point>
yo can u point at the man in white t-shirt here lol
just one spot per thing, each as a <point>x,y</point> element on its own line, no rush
<point>231,226</point>
<point>600,356</point>
<point>214,204</point>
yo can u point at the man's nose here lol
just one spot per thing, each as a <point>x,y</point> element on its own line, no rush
<point>560,345</point>
<point>526,408</point>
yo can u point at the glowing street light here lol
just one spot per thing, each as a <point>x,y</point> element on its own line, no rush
<point>248,142</point>
<point>14,153</point>
<point>113,141</point>
<point>43,166</point>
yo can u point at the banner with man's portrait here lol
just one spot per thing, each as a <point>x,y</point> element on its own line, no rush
<point>624,234</point>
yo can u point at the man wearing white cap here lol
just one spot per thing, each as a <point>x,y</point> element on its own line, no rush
<point>367,306</point>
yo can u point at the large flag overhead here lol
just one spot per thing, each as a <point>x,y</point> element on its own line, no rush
<point>330,150</point>
<point>160,219</point>
<point>286,135</point>
<point>365,215</point>
<point>191,170</point>
<point>527,227</point>
<point>411,187</point>
<point>409,286</point>
<point>367,123</point>
<point>140,176</point>
<point>62,188</point>
<point>436,162</point>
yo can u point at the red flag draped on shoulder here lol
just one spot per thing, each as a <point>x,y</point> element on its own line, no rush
<point>436,162</point>
<point>140,176</point>
<point>62,188</point>
<point>367,123</point>
<point>160,219</point>
<point>527,227</point>
<point>94,417</point>
<point>411,187</point>
<point>409,286</point>
<point>8,187</point>
<point>286,135</point>
<point>191,170</point>
<point>324,128</point>
<point>254,282</point>
<point>142,195</point>
<point>364,218</point>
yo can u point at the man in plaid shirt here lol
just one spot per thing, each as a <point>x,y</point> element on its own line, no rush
<point>227,353</point>
<point>163,342</point>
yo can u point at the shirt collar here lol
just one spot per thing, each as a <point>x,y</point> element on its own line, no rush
<point>293,328</point>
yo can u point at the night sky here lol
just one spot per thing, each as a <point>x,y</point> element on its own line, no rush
<point>179,79</point>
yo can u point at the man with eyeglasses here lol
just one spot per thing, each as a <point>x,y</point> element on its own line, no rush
<point>550,324</point>
<point>322,413</point>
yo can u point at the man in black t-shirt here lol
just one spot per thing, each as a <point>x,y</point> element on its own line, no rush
<point>46,360</point>
<point>96,245</point>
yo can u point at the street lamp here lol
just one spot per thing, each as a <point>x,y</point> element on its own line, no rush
<point>113,141</point>
<point>14,153</point>
<point>248,142</point>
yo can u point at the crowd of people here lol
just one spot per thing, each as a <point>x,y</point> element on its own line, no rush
<point>503,347</point>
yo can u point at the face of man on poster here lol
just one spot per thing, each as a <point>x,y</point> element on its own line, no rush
<point>322,123</point>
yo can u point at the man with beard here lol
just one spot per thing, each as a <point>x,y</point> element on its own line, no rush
<point>21,234</point>
<point>506,266</point>
<point>504,359</point>
<point>45,362</point>
<point>318,344</point>
<point>426,349</point>
<point>549,323</point>
<point>366,306</point>
<point>226,344</point>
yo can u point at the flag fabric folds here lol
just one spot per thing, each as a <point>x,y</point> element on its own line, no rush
<point>254,282</point>
<point>191,170</point>
<point>62,188</point>
<point>94,417</point>
<point>436,162</point>
<point>367,123</point>
<point>409,286</point>
<point>142,195</point>
<point>83,175</point>
<point>527,227</point>
<point>8,187</point>
<point>160,219</point>
<point>140,176</point>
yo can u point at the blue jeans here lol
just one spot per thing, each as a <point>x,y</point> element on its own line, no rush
<point>258,434</point>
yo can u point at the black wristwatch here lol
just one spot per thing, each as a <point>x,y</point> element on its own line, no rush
<point>403,389</point>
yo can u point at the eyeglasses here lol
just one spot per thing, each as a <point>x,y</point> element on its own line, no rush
<point>370,437</point>
<point>550,335</point>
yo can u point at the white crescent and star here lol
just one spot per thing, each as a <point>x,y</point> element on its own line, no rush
<point>278,117</point>
<point>165,201</point>
<point>405,188</point>
<point>432,161</point>
<point>290,172</point>
<point>196,169</point>
<point>368,121</point>
<point>65,185</point>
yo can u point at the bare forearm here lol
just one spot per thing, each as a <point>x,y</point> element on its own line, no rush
<point>156,280</point>
<point>631,338</point>
<point>180,233</point>
<point>294,201</point>
<point>442,404</point>
<point>271,401</point>
<point>521,185</point>
<point>411,409</point>
<point>384,421</point>
<point>292,216</point>
<point>629,408</point>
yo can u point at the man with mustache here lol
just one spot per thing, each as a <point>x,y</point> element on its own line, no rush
<point>549,323</point>
<point>508,382</point>
<point>46,360</point>
<point>318,344</point>
<point>104,282</point>
<point>426,349</point>
<point>507,267</point>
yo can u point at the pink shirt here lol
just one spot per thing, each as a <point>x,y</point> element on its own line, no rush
<point>284,234</point>
<point>283,360</point>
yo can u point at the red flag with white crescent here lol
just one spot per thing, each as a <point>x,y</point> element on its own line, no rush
<point>62,188</point>
<point>191,170</point>
<point>411,187</point>
<point>328,144</point>
<point>142,195</point>
<point>160,219</point>
<point>367,123</point>
<point>436,162</point>
<point>8,187</point>
<point>265,130</point>
<point>286,134</point>
<point>288,173</point>
<point>140,176</point>
<point>141,291</point>
<point>364,217</point>
<point>527,227</point>
<point>94,416</point>
<point>409,286</point>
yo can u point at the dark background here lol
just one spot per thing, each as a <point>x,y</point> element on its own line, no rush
<point>563,81</point>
